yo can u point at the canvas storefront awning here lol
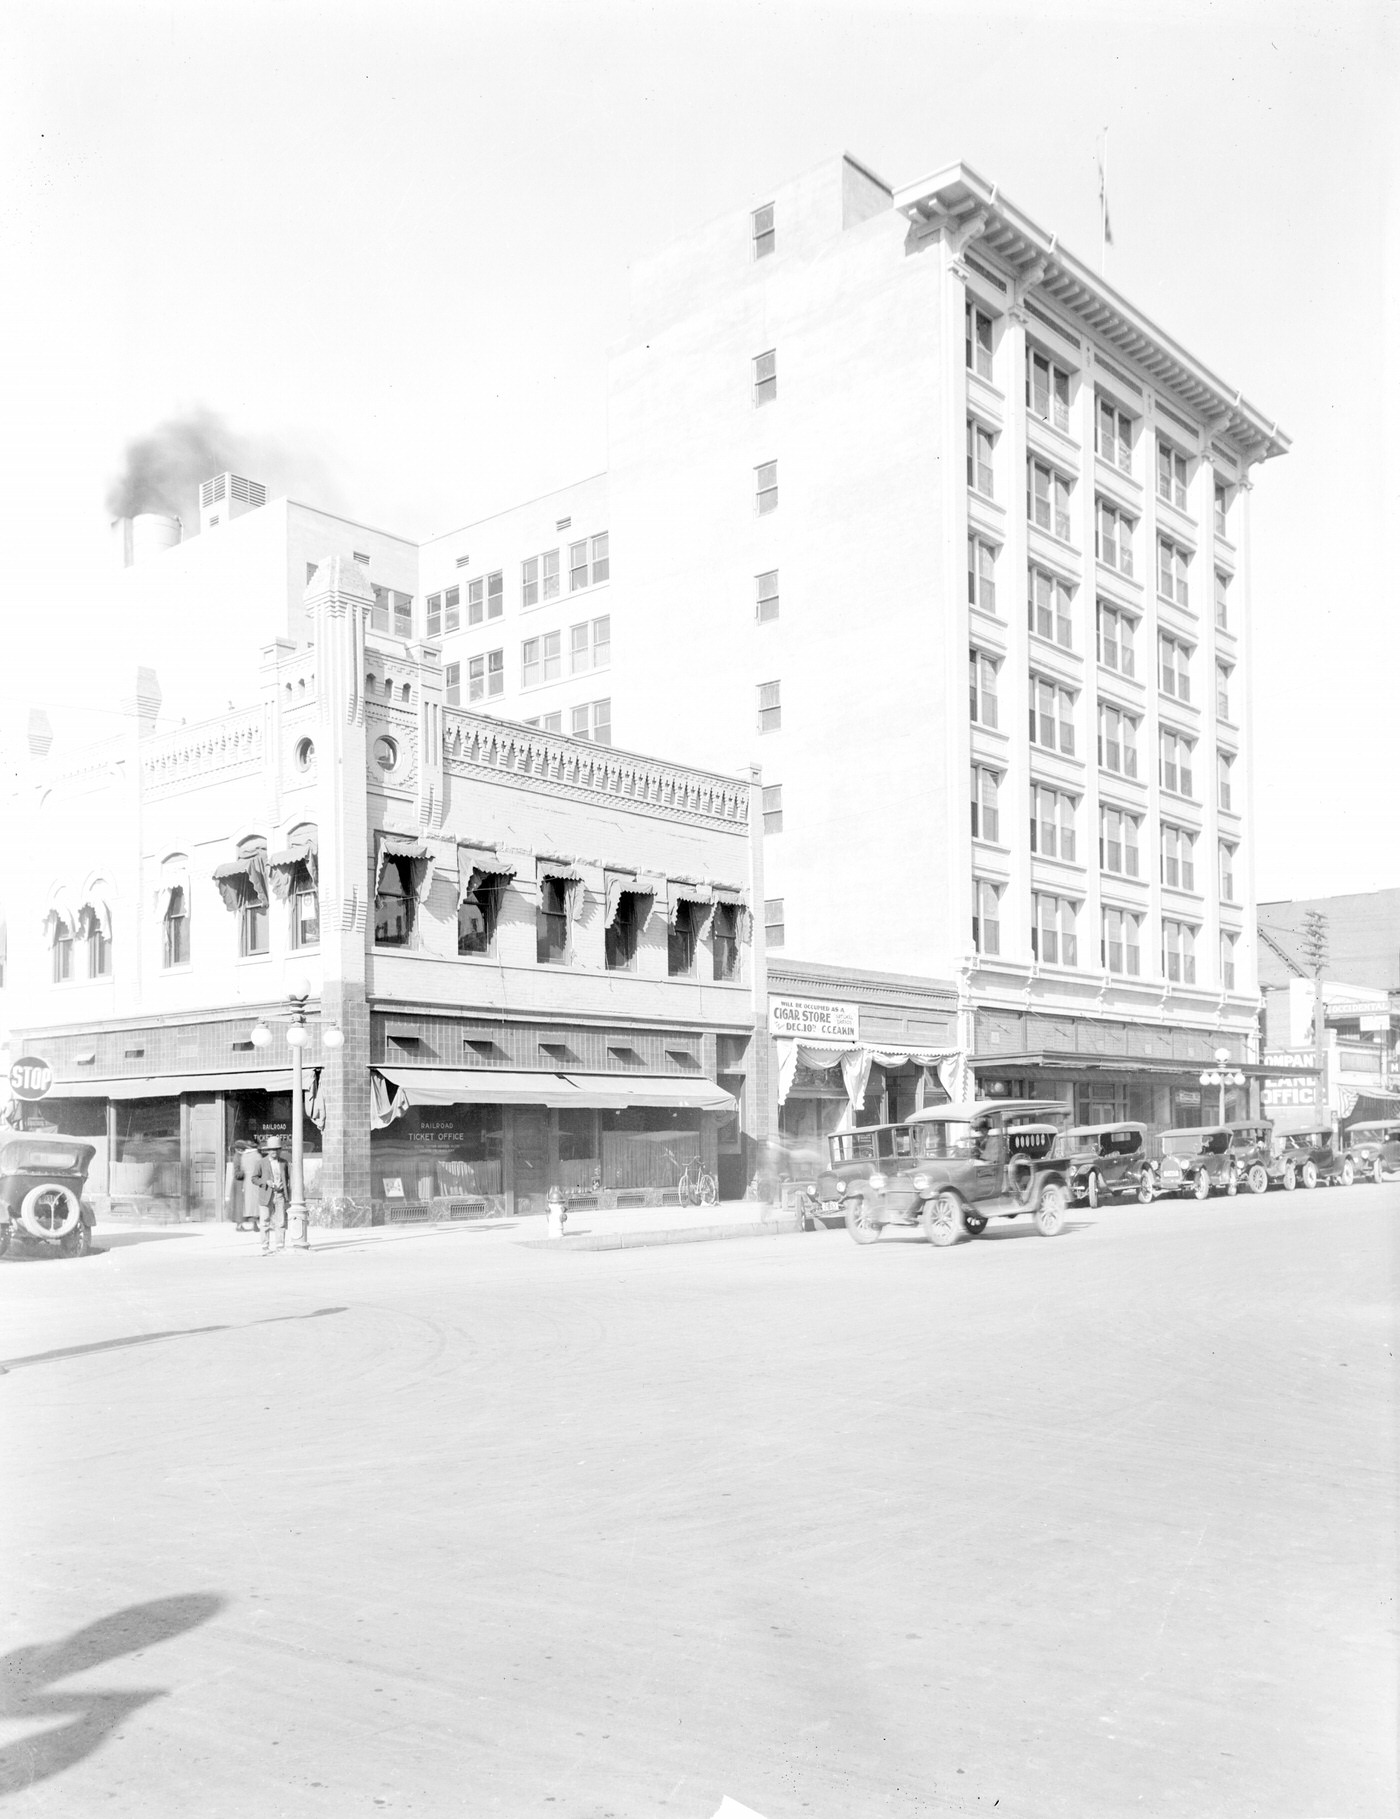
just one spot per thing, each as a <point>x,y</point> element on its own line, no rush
<point>405,846</point>
<point>282,866</point>
<point>501,1086</point>
<point>243,878</point>
<point>619,883</point>
<point>855,1061</point>
<point>475,863</point>
<point>170,1086</point>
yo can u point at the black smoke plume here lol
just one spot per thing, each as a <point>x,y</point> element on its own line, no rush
<point>164,469</point>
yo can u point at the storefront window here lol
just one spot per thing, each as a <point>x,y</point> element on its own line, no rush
<point>647,1146</point>
<point>439,1152</point>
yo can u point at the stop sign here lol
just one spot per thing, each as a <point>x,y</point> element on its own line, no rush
<point>30,1078</point>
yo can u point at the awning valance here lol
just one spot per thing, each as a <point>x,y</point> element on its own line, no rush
<point>500,1086</point>
<point>169,1086</point>
<point>685,890</point>
<point>855,1061</point>
<point>405,846</point>
<point>282,866</point>
<point>172,880</point>
<point>475,863</point>
<point>96,913</point>
<point>563,871</point>
<point>243,879</point>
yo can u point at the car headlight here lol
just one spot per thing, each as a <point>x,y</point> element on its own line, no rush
<point>923,1183</point>
<point>878,1183</point>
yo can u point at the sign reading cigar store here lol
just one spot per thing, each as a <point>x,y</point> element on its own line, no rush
<point>813,1020</point>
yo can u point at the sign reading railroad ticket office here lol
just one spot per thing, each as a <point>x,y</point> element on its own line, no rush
<point>813,1020</point>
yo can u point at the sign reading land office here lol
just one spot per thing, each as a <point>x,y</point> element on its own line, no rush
<point>813,1019</point>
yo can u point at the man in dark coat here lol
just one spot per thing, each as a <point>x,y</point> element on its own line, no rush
<point>272,1199</point>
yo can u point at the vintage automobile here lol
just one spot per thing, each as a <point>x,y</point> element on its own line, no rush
<point>1107,1161</point>
<point>1306,1144</point>
<point>949,1169</point>
<point>1373,1147</point>
<point>1226,1157</point>
<point>41,1193</point>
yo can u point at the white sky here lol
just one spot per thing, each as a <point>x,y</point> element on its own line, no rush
<point>393,240</point>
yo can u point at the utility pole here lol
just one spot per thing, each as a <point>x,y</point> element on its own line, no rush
<point>1313,941</point>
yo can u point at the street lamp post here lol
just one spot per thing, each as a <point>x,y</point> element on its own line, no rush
<point>1222,1075</point>
<point>298,991</point>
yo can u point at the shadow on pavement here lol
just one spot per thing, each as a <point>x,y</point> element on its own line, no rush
<point>27,1674</point>
<point>113,1241</point>
<point>179,1332</point>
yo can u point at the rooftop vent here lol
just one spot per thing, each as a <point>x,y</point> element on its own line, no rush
<point>228,496</point>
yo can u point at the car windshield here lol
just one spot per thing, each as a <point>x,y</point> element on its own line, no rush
<point>1191,1143</point>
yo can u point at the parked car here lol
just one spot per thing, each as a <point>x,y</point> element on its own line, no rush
<point>1373,1147</point>
<point>1310,1150</point>
<point>1223,1157</point>
<point>41,1194</point>
<point>949,1169</point>
<point>1106,1162</point>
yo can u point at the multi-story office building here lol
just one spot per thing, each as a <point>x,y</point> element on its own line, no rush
<point>907,503</point>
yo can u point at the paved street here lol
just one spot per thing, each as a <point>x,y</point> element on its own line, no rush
<point>435,1524</point>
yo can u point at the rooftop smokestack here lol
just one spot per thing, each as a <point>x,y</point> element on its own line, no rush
<point>40,733</point>
<point>228,496</point>
<point>144,701</point>
<point>144,535</point>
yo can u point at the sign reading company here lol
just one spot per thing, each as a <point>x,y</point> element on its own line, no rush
<point>813,1020</point>
<point>30,1078</point>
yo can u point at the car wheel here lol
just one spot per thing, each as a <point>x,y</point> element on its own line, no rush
<point>1257,1178</point>
<point>1146,1188</point>
<point>1290,1179</point>
<point>942,1220</point>
<point>79,1241</point>
<point>860,1220</point>
<point>50,1211</point>
<point>1308,1173</point>
<point>1348,1173</point>
<point>1050,1214</point>
<point>1200,1184</point>
<point>976,1224</point>
<point>1091,1188</point>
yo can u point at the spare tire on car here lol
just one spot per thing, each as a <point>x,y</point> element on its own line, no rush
<point>50,1210</point>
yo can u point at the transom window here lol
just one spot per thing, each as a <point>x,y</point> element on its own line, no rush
<point>982,688</point>
<point>981,575</point>
<point>1047,389</point>
<point>1118,841</point>
<point>1054,941</point>
<point>978,339</point>
<point>1113,537</point>
<point>1173,673</point>
<point>1048,500</point>
<point>986,817</point>
<point>1049,606</point>
<point>1052,716</point>
<point>1117,741</point>
<point>1052,822</point>
<point>1117,633</point>
<point>1113,436</point>
<point>1171,475</point>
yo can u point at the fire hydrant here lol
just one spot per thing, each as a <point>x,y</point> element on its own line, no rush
<point>558,1211</point>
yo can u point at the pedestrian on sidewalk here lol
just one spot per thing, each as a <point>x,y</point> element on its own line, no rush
<point>272,1199</point>
<point>241,1187</point>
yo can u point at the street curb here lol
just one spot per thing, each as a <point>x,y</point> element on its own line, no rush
<point>681,1234</point>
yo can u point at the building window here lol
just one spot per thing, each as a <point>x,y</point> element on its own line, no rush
<point>249,890</point>
<point>981,575</point>
<point>770,707</point>
<point>452,684</point>
<point>621,935</point>
<point>1174,762</point>
<point>452,609</point>
<point>724,942</point>
<point>548,723</point>
<point>592,720</point>
<point>1223,673</point>
<point>1118,842</point>
<point>980,441</point>
<point>99,946</point>
<point>1173,675</point>
<point>1178,858</point>
<point>1224,764</point>
<point>539,578</point>
<point>1172,562</point>
<point>765,377</point>
<point>477,915</point>
<point>602,561</point>
<point>1047,500</point>
<point>62,951</point>
<point>305,903</point>
<point>774,924</point>
<point>394,903</point>
<point>986,916</point>
<point>1052,716</point>
<point>1053,938</point>
<point>552,922</point>
<point>175,949</point>
<point>549,575</point>
<point>433,616</point>
<point>486,598</point>
<point>766,596</point>
<point>986,820</point>
<point>391,608</point>
<point>1047,389</point>
<point>1048,606</point>
<point>1113,537</point>
<point>1052,823</point>
<point>590,645</point>
<point>772,808</point>
<point>540,659</point>
<point>764,239</point>
<point>982,688</point>
<point>766,488</point>
<point>578,565</point>
<point>1179,952</point>
<point>1222,510</point>
<point>1227,873</point>
<point>681,934</point>
<point>978,340</point>
<point>486,674</point>
<point>1227,961</point>
<point>1119,947</point>
<point>1171,475</point>
<point>1117,632</point>
<point>1113,436</point>
<point>1117,741</point>
<point>1222,603</point>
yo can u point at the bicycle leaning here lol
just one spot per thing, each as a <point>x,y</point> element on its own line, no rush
<point>695,1187</point>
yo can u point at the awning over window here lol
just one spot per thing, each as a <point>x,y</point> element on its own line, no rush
<point>168,1086</point>
<point>406,846</point>
<point>618,884</point>
<point>96,913</point>
<point>855,1061</point>
<point>477,863</point>
<point>173,878</point>
<point>499,1086</point>
<point>563,871</point>
<point>243,879</point>
<point>685,890</point>
<point>282,867</point>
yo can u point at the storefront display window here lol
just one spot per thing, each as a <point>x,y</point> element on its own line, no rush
<point>439,1152</point>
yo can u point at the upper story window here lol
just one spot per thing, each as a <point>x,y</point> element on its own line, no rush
<point>1227,872</point>
<point>986,916</point>
<point>452,609</point>
<point>1052,716</point>
<point>1118,841</point>
<point>1173,672</point>
<point>540,659</point>
<point>1171,475</point>
<point>1113,537</point>
<point>62,950</point>
<point>175,928</point>
<point>552,922</point>
<point>1054,940</point>
<point>1047,389</point>
<point>592,720</point>
<point>766,488</point>
<point>683,938</point>
<point>1179,951</point>
<point>978,339</point>
<point>1117,741</point>
<point>772,808</point>
<point>243,885</point>
<point>479,912</point>
<point>724,942</point>
<point>452,685</point>
<point>982,687</point>
<point>547,723</point>
<point>1178,858</point>
<point>980,442</point>
<point>764,234</point>
<point>1048,607</point>
<point>486,675</point>
<point>539,578</point>
<point>1113,436</point>
<point>395,904</point>
<point>1224,764</point>
<point>774,922</point>
<point>1227,961</point>
<point>99,944</point>
<point>432,617</point>
<point>589,562</point>
<point>1172,564</point>
<point>622,934</point>
<point>1222,509</point>
<point>1222,600</point>
<point>1117,637</point>
<point>1052,823</point>
<point>1223,673</point>
<point>766,596</point>
<point>1047,500</point>
<point>986,816</point>
<point>1120,949</point>
<point>304,903</point>
<point>770,707</point>
<point>1174,762</point>
<point>981,575</point>
<point>765,377</point>
<point>486,598</point>
<point>391,611</point>
<point>590,644</point>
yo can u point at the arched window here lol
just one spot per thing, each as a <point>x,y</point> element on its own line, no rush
<point>294,876</point>
<point>97,925</point>
<point>62,949</point>
<point>242,884</point>
<point>175,926</point>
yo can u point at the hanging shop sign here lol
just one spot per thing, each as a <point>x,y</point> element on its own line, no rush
<point>813,1020</point>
